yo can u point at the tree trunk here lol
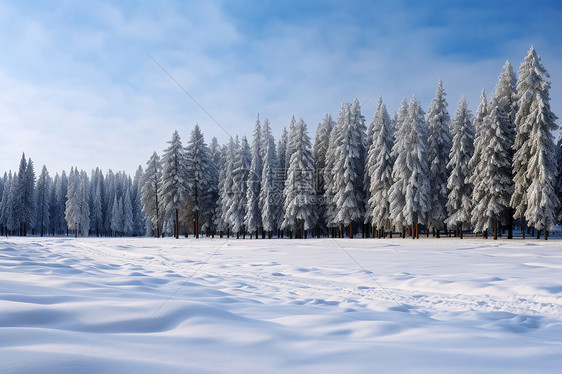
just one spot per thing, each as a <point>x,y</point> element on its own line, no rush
<point>495,229</point>
<point>460,230</point>
<point>545,234</point>
<point>538,233</point>
<point>350,230</point>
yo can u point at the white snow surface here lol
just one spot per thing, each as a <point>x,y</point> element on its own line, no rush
<point>280,306</point>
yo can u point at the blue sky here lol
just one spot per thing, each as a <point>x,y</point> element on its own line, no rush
<point>78,85</point>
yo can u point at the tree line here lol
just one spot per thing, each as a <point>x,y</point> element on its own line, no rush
<point>411,173</point>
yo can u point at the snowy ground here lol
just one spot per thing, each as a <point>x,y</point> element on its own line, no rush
<point>298,306</point>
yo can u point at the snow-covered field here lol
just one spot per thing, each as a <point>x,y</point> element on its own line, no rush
<point>294,306</point>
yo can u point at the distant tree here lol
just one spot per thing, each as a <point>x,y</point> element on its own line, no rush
<point>299,206</point>
<point>534,161</point>
<point>150,195</point>
<point>459,204</point>
<point>400,170</point>
<point>321,143</point>
<point>173,191</point>
<point>252,218</point>
<point>201,180</point>
<point>117,216</point>
<point>43,192</point>
<point>139,219</point>
<point>271,190</point>
<point>128,219</point>
<point>349,166</point>
<point>439,146</point>
<point>282,153</point>
<point>379,170</point>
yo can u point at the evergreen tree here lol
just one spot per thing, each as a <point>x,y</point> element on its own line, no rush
<point>459,204</point>
<point>491,177</point>
<point>321,143</point>
<point>201,183</point>
<point>58,215</point>
<point>227,188</point>
<point>282,153</point>
<point>77,212</point>
<point>9,214</point>
<point>329,174</point>
<point>117,216</point>
<point>534,161</point>
<point>139,224</point>
<point>439,146</point>
<point>150,195</point>
<point>128,219</point>
<point>43,204</point>
<point>299,206</point>
<point>271,189</point>
<point>350,163</point>
<point>252,218</point>
<point>400,170</point>
<point>173,191</point>
<point>379,169</point>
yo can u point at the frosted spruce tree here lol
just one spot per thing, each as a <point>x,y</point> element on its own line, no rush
<point>410,171</point>
<point>128,219</point>
<point>271,190</point>
<point>173,184</point>
<point>379,170</point>
<point>43,193</point>
<point>397,192</point>
<point>201,181</point>
<point>329,175</point>
<point>77,211</point>
<point>459,203</point>
<point>25,196</point>
<point>349,167</point>
<point>282,153</point>
<point>9,214</point>
<point>227,193</point>
<point>237,203</point>
<point>491,178</point>
<point>252,218</point>
<point>299,202</point>
<point>492,175</point>
<point>117,217</point>
<point>150,195</point>
<point>534,162</point>
<point>439,146</point>
<point>321,143</point>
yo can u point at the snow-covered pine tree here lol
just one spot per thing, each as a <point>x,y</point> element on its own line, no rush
<point>270,197</point>
<point>349,166</point>
<point>416,184</point>
<point>117,217</point>
<point>96,203</point>
<point>534,161</point>
<point>77,211</point>
<point>58,217</point>
<point>491,177</point>
<point>201,181</point>
<point>25,201</point>
<point>379,170</point>
<point>321,142</point>
<point>439,146</point>
<point>329,174</point>
<point>289,151</point>
<point>139,221</point>
<point>128,219</point>
<point>43,193</point>
<point>235,186</point>
<point>459,203</point>
<point>282,153</point>
<point>252,218</point>
<point>150,195</point>
<point>9,217</point>
<point>400,170</point>
<point>299,205</point>
<point>220,211</point>
<point>173,184</point>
